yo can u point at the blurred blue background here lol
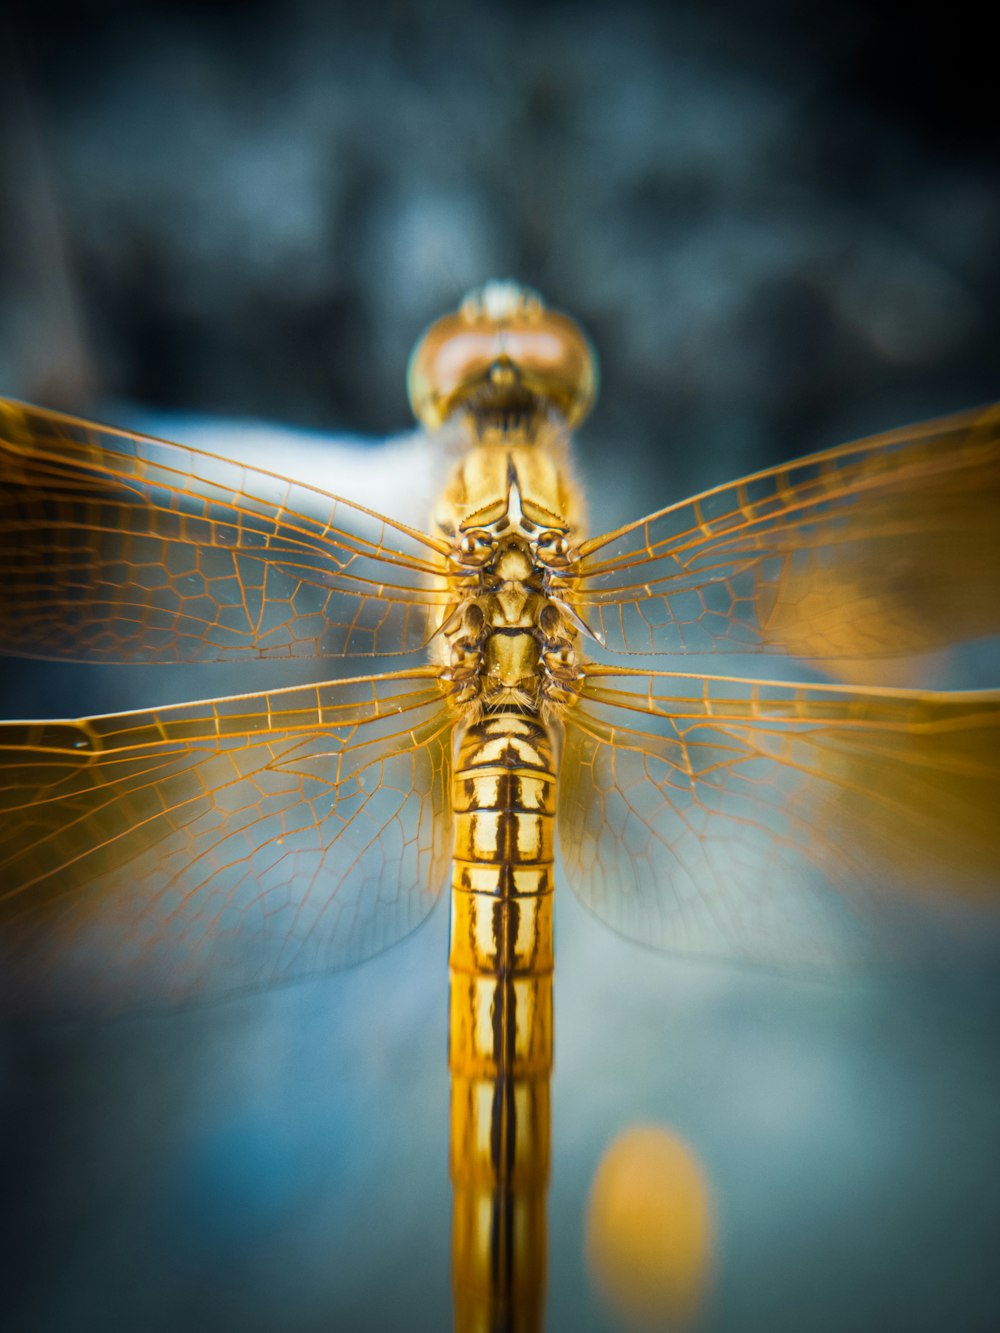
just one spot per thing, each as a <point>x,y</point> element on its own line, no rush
<point>779,224</point>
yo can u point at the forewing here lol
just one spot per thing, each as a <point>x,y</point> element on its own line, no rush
<point>116,547</point>
<point>210,847</point>
<point>885,548</point>
<point>789,824</point>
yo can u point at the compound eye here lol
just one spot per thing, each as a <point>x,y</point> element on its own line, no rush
<point>475,546</point>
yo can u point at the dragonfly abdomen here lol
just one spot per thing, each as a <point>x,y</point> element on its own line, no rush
<point>501,1018</point>
<point>503,800</point>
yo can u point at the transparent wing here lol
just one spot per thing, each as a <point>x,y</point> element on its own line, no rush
<point>208,847</point>
<point>888,547</point>
<point>118,547</point>
<point>783,823</point>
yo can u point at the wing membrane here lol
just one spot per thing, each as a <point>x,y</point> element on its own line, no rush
<point>206,847</point>
<point>783,823</point>
<point>888,547</point>
<point>118,547</point>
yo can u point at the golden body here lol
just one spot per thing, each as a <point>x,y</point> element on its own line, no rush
<point>510,660</point>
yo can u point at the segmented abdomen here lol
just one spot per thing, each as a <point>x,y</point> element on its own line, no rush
<point>501,1019</point>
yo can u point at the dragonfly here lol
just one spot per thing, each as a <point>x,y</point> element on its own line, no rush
<point>204,848</point>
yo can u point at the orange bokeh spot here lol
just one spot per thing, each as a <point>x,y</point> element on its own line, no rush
<point>649,1230</point>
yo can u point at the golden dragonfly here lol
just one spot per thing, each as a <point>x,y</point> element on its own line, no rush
<point>207,847</point>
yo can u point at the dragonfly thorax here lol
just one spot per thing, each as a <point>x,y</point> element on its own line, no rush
<point>511,517</point>
<point>511,645</point>
<point>513,545</point>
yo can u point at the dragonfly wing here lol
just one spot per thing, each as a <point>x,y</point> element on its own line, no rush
<point>209,847</point>
<point>888,547</point>
<point>118,547</point>
<point>788,824</point>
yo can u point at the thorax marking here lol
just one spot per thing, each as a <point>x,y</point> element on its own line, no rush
<point>512,643</point>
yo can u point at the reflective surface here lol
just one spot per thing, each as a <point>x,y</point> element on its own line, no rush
<point>283,1159</point>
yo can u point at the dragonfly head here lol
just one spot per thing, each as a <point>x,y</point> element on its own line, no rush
<point>504,359</point>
